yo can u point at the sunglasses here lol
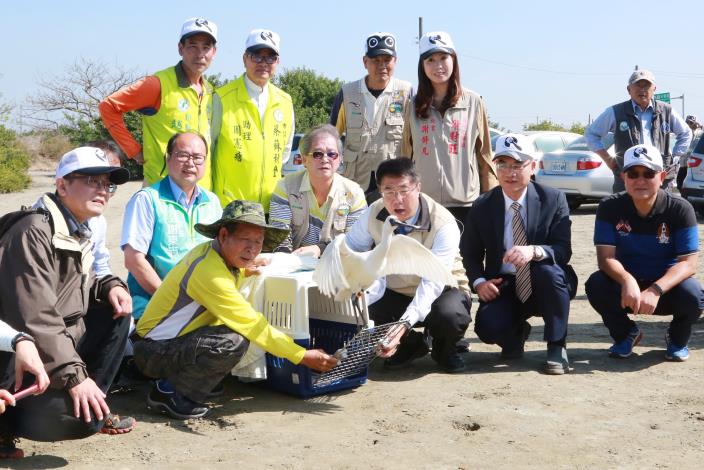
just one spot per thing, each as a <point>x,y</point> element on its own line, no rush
<point>258,59</point>
<point>319,155</point>
<point>635,174</point>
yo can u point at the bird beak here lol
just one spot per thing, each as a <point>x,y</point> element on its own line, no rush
<point>394,221</point>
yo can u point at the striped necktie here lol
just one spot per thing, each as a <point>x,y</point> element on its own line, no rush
<point>523,288</point>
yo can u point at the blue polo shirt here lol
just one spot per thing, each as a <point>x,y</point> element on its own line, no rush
<point>647,246</point>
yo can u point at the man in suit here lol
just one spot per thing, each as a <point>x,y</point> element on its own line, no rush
<point>517,238</point>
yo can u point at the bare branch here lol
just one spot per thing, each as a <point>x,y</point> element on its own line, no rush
<point>76,93</point>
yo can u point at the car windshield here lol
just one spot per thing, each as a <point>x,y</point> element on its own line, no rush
<point>548,143</point>
<point>581,143</point>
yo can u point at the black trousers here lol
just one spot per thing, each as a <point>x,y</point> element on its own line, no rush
<point>447,321</point>
<point>49,416</point>
<point>193,363</point>
<point>501,320</point>
<point>684,302</point>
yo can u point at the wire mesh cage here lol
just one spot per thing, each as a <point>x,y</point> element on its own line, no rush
<point>356,354</point>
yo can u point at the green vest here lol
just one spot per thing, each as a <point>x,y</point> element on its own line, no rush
<point>248,156</point>
<point>180,110</point>
<point>174,234</point>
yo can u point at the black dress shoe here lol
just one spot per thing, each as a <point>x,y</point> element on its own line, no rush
<point>517,351</point>
<point>447,356</point>
<point>412,347</point>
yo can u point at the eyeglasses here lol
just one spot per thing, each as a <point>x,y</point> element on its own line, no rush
<point>635,174</point>
<point>95,182</point>
<point>393,194</point>
<point>318,155</point>
<point>508,168</point>
<point>258,59</point>
<point>183,157</point>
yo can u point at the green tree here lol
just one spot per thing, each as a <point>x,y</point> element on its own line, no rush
<point>577,128</point>
<point>497,126</point>
<point>312,95</point>
<point>544,125</point>
<point>216,80</point>
<point>14,162</point>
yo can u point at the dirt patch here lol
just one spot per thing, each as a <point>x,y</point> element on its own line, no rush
<point>641,412</point>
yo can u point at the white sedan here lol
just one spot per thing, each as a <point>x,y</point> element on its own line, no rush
<point>579,172</point>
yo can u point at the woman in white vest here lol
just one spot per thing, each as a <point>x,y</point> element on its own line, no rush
<point>316,204</point>
<point>447,130</point>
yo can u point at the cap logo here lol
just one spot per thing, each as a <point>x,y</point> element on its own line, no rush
<point>373,42</point>
<point>436,39</point>
<point>267,36</point>
<point>642,151</point>
<point>203,23</point>
<point>389,41</point>
<point>512,141</point>
<point>101,155</point>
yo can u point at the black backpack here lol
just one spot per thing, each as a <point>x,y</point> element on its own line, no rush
<point>11,218</point>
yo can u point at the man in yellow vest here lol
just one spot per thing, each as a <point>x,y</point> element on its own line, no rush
<point>176,99</point>
<point>253,123</point>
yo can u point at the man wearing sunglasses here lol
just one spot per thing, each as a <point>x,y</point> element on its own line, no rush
<point>46,287</point>
<point>158,227</point>
<point>518,245</point>
<point>176,99</point>
<point>253,126</point>
<point>370,111</point>
<point>316,204</point>
<point>646,245</point>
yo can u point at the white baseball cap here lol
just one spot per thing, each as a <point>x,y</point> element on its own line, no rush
<point>262,39</point>
<point>90,161</point>
<point>643,155</point>
<point>199,25</point>
<point>516,146</point>
<point>436,41</point>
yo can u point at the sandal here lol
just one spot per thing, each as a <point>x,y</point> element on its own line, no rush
<point>115,425</point>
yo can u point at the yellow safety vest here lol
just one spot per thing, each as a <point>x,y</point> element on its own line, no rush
<point>181,110</point>
<point>248,156</point>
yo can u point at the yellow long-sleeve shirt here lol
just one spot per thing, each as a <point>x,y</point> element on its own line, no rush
<point>201,291</point>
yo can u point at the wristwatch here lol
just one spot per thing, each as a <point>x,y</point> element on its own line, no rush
<point>658,290</point>
<point>20,337</point>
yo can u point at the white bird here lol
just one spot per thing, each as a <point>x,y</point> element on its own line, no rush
<point>342,272</point>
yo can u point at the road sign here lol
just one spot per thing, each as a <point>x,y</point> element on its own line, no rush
<point>664,97</point>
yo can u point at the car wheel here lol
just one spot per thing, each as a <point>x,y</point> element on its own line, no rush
<point>573,204</point>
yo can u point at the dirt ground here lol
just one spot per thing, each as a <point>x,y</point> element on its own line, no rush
<point>641,412</point>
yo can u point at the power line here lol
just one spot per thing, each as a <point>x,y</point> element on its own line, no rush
<point>578,73</point>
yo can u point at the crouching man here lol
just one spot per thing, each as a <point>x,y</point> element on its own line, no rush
<point>46,287</point>
<point>198,326</point>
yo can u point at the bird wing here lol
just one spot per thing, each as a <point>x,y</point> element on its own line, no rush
<point>407,256</point>
<point>330,273</point>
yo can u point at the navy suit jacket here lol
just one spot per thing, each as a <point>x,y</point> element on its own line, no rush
<point>549,226</point>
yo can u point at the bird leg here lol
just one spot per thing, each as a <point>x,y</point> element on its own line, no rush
<point>359,318</point>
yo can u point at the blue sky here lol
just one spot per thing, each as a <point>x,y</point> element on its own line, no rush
<point>544,59</point>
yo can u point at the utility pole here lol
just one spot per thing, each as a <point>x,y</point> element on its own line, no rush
<point>680,98</point>
<point>420,29</point>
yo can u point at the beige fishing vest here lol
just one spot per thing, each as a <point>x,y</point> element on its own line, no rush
<point>432,217</point>
<point>368,144</point>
